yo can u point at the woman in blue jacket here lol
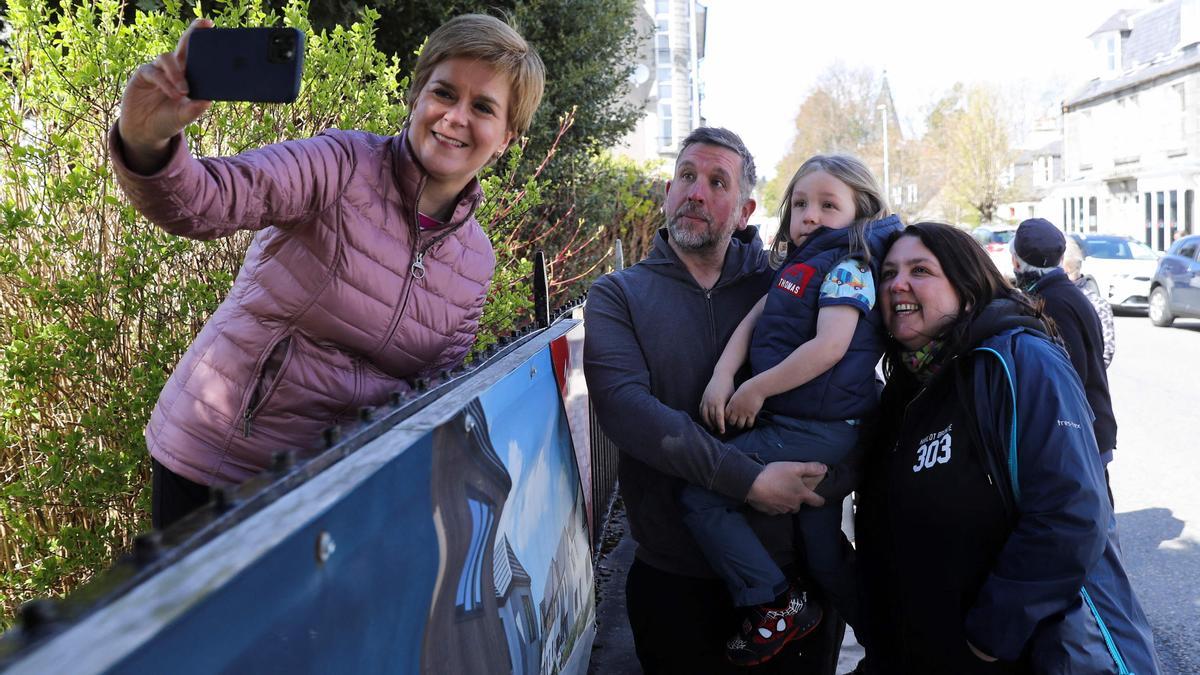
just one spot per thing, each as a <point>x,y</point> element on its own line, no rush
<point>986,538</point>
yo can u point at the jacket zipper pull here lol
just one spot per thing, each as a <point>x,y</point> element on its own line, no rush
<point>246,424</point>
<point>418,268</point>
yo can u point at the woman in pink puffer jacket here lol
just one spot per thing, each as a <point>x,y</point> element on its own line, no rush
<point>368,266</point>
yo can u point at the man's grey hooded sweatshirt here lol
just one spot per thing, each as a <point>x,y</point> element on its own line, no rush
<point>653,338</point>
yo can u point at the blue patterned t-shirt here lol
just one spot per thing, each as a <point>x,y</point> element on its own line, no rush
<point>849,283</point>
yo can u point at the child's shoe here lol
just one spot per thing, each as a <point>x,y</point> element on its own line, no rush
<point>766,629</point>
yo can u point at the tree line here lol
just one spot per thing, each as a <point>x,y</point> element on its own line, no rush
<point>957,169</point>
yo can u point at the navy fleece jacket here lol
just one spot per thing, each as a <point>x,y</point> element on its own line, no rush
<point>653,338</point>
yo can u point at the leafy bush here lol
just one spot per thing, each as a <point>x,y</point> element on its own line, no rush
<point>574,221</point>
<point>98,305</point>
<point>608,198</point>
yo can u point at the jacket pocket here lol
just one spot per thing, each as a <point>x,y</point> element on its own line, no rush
<point>266,381</point>
<point>1070,642</point>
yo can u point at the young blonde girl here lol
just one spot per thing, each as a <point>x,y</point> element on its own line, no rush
<point>812,343</point>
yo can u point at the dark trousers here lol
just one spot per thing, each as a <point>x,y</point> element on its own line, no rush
<point>681,624</point>
<point>718,523</point>
<point>172,496</point>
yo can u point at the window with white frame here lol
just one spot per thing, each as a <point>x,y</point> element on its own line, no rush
<point>1179,111</point>
<point>1121,122</point>
<point>469,596</point>
<point>1087,141</point>
<point>662,43</point>
<point>666,136</point>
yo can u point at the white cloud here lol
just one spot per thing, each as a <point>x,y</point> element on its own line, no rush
<point>516,460</point>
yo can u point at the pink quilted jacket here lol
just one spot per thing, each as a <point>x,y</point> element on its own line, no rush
<point>326,314</point>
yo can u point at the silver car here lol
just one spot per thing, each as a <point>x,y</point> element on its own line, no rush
<point>1122,267</point>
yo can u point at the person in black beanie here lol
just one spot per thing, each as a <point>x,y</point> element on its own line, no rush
<point>1037,250</point>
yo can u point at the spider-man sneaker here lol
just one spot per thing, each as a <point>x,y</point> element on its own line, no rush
<point>766,629</point>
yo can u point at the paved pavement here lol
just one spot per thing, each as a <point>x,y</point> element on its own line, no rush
<point>1155,385</point>
<point>612,652</point>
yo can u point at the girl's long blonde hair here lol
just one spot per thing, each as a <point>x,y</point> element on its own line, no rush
<point>870,204</point>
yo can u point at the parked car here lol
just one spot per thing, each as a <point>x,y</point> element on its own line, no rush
<point>1175,288</point>
<point>1122,267</point>
<point>995,240</point>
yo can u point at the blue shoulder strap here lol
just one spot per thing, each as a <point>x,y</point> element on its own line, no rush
<point>1012,439</point>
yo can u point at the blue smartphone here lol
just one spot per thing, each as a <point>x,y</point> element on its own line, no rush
<point>245,64</point>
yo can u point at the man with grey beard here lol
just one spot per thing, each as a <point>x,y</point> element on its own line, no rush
<point>654,333</point>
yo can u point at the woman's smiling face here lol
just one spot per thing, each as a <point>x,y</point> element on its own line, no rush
<point>460,120</point>
<point>919,302</point>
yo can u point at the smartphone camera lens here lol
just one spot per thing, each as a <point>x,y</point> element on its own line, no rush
<point>282,46</point>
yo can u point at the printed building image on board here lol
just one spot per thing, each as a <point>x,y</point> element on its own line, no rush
<point>465,633</point>
<point>567,604</point>
<point>514,584</point>
<point>517,612</point>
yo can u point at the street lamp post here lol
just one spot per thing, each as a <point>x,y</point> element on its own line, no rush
<point>887,187</point>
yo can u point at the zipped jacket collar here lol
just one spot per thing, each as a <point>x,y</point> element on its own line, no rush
<point>824,238</point>
<point>742,258</point>
<point>411,178</point>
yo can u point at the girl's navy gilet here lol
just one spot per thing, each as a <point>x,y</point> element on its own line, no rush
<point>789,319</point>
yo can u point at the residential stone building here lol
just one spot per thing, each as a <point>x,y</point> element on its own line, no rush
<point>666,80</point>
<point>517,610</point>
<point>567,601</point>
<point>1034,174</point>
<point>1131,145</point>
<point>469,486</point>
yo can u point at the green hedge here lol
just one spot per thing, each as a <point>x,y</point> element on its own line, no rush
<point>97,305</point>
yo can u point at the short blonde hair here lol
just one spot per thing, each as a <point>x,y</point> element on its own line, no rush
<point>492,41</point>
